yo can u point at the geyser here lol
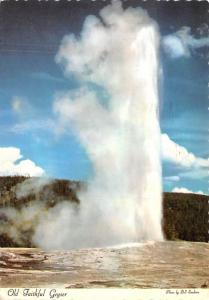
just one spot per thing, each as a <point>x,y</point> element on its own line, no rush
<point>115,117</point>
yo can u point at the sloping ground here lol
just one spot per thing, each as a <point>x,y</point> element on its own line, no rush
<point>185,216</point>
<point>150,265</point>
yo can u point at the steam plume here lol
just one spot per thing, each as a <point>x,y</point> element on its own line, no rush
<point>117,123</point>
<point>115,116</point>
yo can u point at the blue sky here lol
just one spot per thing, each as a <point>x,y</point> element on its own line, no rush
<point>31,79</point>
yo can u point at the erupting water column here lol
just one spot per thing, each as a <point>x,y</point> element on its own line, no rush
<point>149,207</point>
<point>117,122</point>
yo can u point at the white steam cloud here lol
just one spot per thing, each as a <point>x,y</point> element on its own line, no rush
<point>118,55</point>
<point>182,42</point>
<point>31,186</point>
<point>20,224</point>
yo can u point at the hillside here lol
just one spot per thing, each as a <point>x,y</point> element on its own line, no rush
<point>185,216</point>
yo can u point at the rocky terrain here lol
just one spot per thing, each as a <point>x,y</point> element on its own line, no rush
<point>149,265</point>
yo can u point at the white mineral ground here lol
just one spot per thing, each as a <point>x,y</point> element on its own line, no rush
<point>148,265</point>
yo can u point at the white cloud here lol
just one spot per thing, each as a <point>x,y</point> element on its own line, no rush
<point>11,163</point>
<point>174,46</point>
<point>46,76</point>
<point>182,42</point>
<point>16,104</point>
<point>172,178</point>
<point>20,105</point>
<point>185,190</point>
<point>195,173</point>
<point>179,155</point>
<point>38,124</point>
